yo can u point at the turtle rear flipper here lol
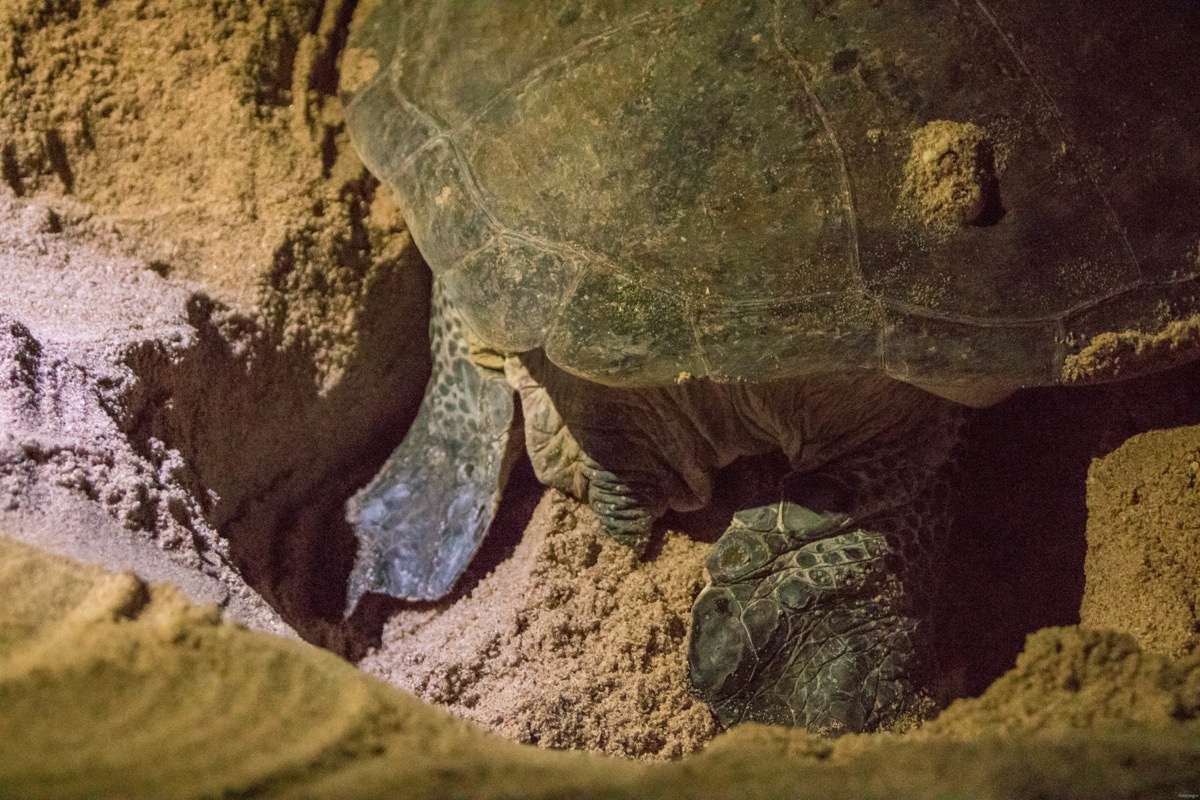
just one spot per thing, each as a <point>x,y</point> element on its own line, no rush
<point>804,623</point>
<point>424,515</point>
<point>818,607</point>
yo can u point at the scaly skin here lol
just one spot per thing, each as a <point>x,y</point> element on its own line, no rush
<point>815,611</point>
<point>423,517</point>
<point>808,620</point>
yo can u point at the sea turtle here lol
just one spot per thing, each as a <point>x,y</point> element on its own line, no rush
<point>686,232</point>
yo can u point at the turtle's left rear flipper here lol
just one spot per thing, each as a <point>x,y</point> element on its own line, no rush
<point>422,518</point>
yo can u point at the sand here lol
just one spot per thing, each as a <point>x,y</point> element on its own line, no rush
<point>570,642</point>
<point>112,686</point>
<point>1143,560</point>
<point>212,331</point>
<point>213,168</point>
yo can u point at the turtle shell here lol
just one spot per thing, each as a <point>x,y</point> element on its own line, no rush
<point>951,192</point>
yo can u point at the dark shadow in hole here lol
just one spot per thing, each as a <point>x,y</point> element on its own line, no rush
<point>10,169</point>
<point>323,76</point>
<point>1015,555</point>
<point>56,153</point>
<point>747,482</point>
<point>993,207</point>
<point>521,496</point>
<point>329,151</point>
<point>844,60</point>
<point>272,453</point>
<point>159,267</point>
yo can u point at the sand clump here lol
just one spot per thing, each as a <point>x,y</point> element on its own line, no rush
<point>950,179</point>
<point>1126,354</point>
<point>77,476</point>
<point>569,643</point>
<point>210,138</point>
<point>111,686</point>
<point>1143,559</point>
<point>1073,679</point>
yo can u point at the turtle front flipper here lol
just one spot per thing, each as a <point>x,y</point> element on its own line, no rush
<point>422,518</point>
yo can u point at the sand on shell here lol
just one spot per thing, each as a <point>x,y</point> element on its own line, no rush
<point>213,331</point>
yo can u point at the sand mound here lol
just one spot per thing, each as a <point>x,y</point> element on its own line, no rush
<point>1143,561</point>
<point>570,643</point>
<point>111,685</point>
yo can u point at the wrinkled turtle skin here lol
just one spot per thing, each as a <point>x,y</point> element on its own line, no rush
<point>688,232</point>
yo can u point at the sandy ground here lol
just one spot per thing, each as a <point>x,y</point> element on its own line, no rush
<point>212,331</point>
<point>568,643</point>
<point>115,687</point>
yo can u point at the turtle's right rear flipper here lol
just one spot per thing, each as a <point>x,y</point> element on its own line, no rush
<point>422,518</point>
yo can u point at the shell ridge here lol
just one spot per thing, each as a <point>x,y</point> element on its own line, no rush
<point>1029,321</point>
<point>770,303</point>
<point>587,257</point>
<point>567,296</point>
<point>584,256</point>
<point>884,332</point>
<point>693,317</point>
<point>429,120</point>
<point>404,103</point>
<point>491,242</point>
<point>471,185</point>
<point>834,142</point>
<point>575,50</point>
<point>1058,117</point>
<point>532,76</point>
<point>1062,348</point>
